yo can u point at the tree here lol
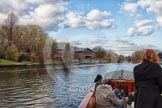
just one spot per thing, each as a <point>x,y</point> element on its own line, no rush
<point>111,57</point>
<point>10,26</point>
<point>136,56</point>
<point>12,53</point>
<point>121,58</point>
<point>3,42</point>
<point>30,39</point>
<point>99,52</point>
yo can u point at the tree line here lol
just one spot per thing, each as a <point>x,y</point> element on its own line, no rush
<point>112,57</point>
<point>21,42</point>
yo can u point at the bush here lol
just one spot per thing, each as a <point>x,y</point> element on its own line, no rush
<point>24,57</point>
<point>12,53</point>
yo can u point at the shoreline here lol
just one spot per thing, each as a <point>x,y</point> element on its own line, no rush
<point>57,66</point>
<point>19,68</point>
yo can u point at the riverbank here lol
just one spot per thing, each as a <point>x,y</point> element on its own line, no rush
<point>8,63</point>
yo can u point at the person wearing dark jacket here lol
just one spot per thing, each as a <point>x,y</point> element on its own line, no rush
<point>97,81</point>
<point>148,80</point>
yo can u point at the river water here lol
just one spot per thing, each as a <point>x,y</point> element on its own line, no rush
<point>41,88</point>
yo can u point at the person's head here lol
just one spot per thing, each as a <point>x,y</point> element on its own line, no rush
<point>108,81</point>
<point>98,78</point>
<point>150,55</point>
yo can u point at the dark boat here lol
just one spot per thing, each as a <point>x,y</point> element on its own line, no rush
<point>122,79</point>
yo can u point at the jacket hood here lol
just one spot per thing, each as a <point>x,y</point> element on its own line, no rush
<point>105,87</point>
<point>144,70</point>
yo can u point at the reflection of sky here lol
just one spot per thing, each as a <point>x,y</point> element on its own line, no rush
<point>38,88</point>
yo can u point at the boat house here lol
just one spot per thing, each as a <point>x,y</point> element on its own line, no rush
<point>85,55</point>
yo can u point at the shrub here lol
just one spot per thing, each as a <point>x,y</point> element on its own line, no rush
<point>12,53</point>
<point>24,57</point>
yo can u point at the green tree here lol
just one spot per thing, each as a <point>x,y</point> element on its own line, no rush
<point>12,53</point>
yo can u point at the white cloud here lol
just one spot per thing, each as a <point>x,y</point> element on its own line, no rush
<point>46,13</point>
<point>50,14</point>
<point>130,31</point>
<point>141,27</point>
<point>145,30</point>
<point>75,20</point>
<point>107,23</point>
<point>2,17</point>
<point>97,15</point>
<point>159,20</point>
<point>95,19</point>
<point>131,8</point>
<point>150,6</point>
<point>144,3</point>
<point>144,27</point>
<point>156,7</point>
<point>140,23</point>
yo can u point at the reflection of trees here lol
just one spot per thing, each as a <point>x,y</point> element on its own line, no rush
<point>67,56</point>
<point>27,87</point>
<point>54,49</point>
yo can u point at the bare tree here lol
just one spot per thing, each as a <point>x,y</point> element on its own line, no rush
<point>136,56</point>
<point>10,24</point>
<point>100,52</point>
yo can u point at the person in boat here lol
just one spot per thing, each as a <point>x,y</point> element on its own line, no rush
<point>119,94</point>
<point>130,100</point>
<point>105,96</point>
<point>148,80</point>
<point>97,81</point>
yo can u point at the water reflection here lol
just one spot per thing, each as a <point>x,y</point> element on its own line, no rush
<point>37,88</point>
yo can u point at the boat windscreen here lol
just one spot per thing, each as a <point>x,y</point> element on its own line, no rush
<point>120,74</point>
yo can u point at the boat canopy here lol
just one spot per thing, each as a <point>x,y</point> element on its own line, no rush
<point>120,74</point>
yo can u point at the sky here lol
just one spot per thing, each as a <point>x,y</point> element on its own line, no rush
<point>119,25</point>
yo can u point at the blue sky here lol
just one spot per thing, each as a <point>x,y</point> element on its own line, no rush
<point>119,25</point>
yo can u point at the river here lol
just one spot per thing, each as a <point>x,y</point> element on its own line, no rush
<point>41,88</point>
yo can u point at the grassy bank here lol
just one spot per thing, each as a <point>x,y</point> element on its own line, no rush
<point>7,62</point>
<point>10,62</point>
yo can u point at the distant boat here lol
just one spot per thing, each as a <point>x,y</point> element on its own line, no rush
<point>122,79</point>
